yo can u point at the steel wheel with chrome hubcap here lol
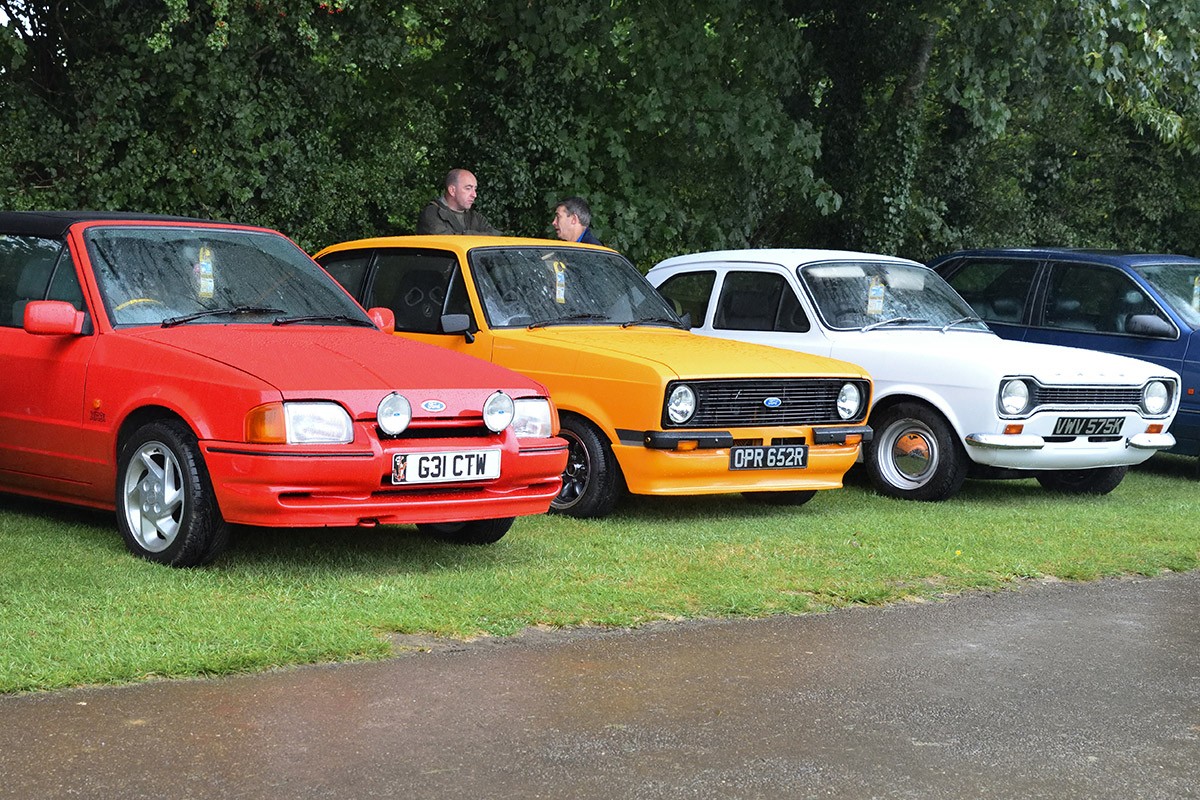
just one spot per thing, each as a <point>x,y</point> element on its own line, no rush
<point>915,454</point>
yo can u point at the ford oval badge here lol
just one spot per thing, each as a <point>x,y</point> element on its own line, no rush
<point>433,406</point>
<point>772,402</point>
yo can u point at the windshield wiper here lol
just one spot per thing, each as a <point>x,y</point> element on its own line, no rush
<point>674,323</point>
<point>570,318</point>
<point>894,321</point>
<point>959,321</point>
<point>364,323</point>
<point>170,322</point>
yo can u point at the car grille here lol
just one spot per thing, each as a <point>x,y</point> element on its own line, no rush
<point>742,403</point>
<point>1090,396</point>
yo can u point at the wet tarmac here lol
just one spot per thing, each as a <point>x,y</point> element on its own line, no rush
<point>1052,690</point>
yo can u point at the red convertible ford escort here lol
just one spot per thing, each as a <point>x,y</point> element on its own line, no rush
<point>194,374</point>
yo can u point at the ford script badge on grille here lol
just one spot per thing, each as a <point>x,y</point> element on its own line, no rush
<point>772,402</point>
<point>433,406</point>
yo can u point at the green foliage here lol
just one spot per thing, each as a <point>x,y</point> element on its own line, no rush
<point>228,111</point>
<point>907,127</point>
<point>669,118</point>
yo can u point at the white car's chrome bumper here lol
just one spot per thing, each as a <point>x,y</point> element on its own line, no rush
<point>1022,441</point>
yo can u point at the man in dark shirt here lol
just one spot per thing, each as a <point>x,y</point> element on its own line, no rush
<point>572,218</point>
<point>451,213</point>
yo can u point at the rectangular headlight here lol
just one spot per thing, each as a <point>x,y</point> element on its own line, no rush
<point>532,418</point>
<point>318,423</point>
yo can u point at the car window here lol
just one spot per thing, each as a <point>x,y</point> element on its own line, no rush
<point>877,295</point>
<point>1092,297</point>
<point>520,286</point>
<point>175,275</point>
<point>1179,287</point>
<point>758,301</point>
<point>689,293</point>
<point>997,289</point>
<point>33,268</point>
<point>415,285</point>
<point>349,269</point>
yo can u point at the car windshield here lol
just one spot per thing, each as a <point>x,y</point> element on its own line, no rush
<point>542,286</point>
<point>1179,287</point>
<point>883,296</point>
<point>193,276</point>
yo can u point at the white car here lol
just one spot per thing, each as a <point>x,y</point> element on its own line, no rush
<point>952,400</point>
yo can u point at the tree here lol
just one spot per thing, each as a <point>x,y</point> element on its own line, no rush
<point>289,114</point>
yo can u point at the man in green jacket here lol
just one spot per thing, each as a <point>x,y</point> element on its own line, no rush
<point>451,213</point>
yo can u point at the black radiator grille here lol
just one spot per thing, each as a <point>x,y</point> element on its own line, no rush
<point>744,403</point>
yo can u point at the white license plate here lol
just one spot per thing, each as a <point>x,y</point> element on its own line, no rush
<point>458,465</point>
<point>1088,426</point>
<point>776,456</point>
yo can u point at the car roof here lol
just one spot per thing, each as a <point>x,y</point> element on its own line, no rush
<point>54,224</point>
<point>779,255</point>
<point>1094,256</point>
<point>456,242</point>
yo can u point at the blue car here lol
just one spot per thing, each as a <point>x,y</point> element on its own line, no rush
<point>1133,304</point>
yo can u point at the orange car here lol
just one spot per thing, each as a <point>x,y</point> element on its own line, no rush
<point>644,403</point>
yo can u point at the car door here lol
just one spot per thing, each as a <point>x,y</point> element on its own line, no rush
<point>1090,305</point>
<point>1000,290</point>
<point>44,445</point>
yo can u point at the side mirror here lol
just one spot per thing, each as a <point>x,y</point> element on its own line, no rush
<point>1149,325</point>
<point>686,319</point>
<point>53,318</point>
<point>384,319</point>
<point>458,323</point>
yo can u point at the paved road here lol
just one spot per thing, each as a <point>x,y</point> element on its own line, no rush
<point>1054,690</point>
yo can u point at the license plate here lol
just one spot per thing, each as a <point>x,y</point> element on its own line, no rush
<point>776,456</point>
<point>1088,426</point>
<point>459,465</point>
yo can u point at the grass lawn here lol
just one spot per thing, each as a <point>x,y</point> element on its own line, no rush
<point>76,608</point>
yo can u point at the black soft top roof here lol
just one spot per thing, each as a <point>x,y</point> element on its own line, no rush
<point>54,224</point>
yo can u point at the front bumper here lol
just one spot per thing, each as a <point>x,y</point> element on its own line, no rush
<point>698,462</point>
<point>292,487</point>
<point>1032,451</point>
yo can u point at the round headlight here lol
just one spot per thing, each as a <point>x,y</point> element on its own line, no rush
<point>394,414</point>
<point>849,402</point>
<point>681,404</point>
<point>1156,398</point>
<point>1014,396</point>
<point>498,412</point>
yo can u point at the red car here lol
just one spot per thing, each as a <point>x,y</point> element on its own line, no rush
<point>194,374</point>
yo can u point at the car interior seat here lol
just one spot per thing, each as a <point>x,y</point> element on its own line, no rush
<point>1065,313</point>
<point>742,310</point>
<point>31,285</point>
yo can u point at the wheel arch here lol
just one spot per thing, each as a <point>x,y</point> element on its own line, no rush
<point>143,415</point>
<point>913,394</point>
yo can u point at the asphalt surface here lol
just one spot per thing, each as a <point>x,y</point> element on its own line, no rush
<point>1051,690</point>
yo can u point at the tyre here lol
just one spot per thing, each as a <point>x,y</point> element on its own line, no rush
<point>1083,481</point>
<point>479,531</point>
<point>591,479</point>
<point>793,498</point>
<point>166,509</point>
<point>915,454</point>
